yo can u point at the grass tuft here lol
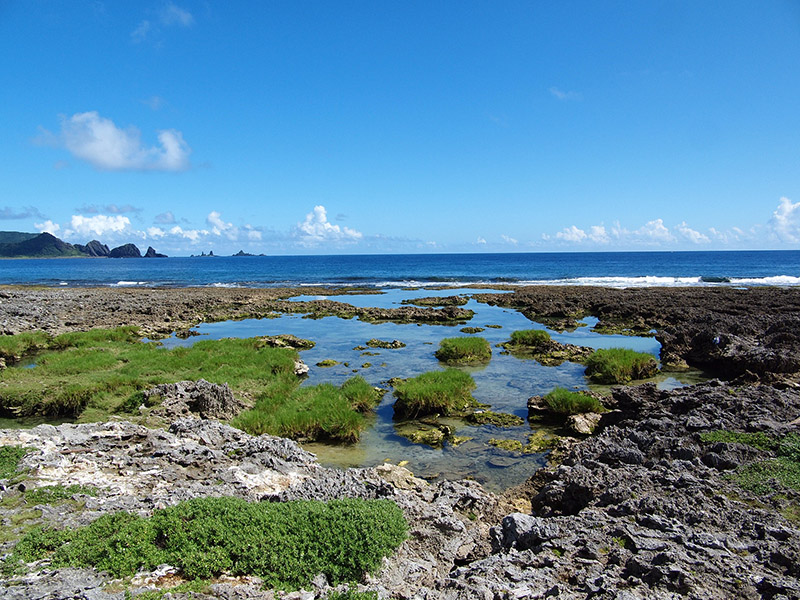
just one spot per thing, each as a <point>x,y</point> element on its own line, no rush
<point>530,338</point>
<point>9,460</point>
<point>620,365</point>
<point>566,402</point>
<point>435,392</point>
<point>464,350</point>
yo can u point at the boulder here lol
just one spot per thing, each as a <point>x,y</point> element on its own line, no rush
<point>209,400</point>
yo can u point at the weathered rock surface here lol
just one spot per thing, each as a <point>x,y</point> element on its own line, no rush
<point>201,398</point>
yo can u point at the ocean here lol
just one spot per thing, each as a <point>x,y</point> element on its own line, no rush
<point>615,269</point>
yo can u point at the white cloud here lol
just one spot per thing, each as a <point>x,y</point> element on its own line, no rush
<point>571,234</point>
<point>597,234</point>
<point>253,233</point>
<point>509,240</point>
<point>48,226</point>
<point>141,32</point>
<point>220,227</point>
<point>562,95</point>
<point>654,232</point>
<point>155,232</point>
<point>481,241</point>
<point>100,142</point>
<point>190,234</point>
<point>316,228</point>
<point>97,225</point>
<point>692,235</point>
<point>174,15</point>
<point>785,221</point>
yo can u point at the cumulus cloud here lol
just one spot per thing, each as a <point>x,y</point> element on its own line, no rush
<point>48,226</point>
<point>220,227</point>
<point>785,221</point>
<point>692,235</point>
<point>189,234</point>
<point>10,214</point>
<point>155,232</point>
<point>253,233</point>
<point>597,234</point>
<point>571,234</point>
<point>98,225</point>
<point>655,232</point>
<point>317,229</point>
<point>481,241</point>
<point>97,140</point>
<point>165,218</point>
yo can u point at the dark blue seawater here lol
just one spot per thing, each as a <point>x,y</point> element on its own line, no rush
<point>618,269</point>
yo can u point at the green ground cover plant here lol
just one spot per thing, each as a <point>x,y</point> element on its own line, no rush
<point>286,544</point>
<point>320,412</point>
<point>464,350</point>
<point>781,470</point>
<point>93,374</point>
<point>9,460</point>
<point>447,392</point>
<point>620,365</point>
<point>565,402</point>
<point>498,419</point>
<point>55,494</point>
<point>14,347</point>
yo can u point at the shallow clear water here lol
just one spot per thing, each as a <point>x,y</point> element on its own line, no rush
<point>505,383</point>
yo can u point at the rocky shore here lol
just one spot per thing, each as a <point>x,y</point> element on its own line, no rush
<point>651,506</point>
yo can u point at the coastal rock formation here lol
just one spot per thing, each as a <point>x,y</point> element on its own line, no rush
<point>94,249</point>
<point>151,253</point>
<point>125,251</point>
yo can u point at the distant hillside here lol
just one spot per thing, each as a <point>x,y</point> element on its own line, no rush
<point>43,245</point>
<point>15,237</point>
<point>15,244</point>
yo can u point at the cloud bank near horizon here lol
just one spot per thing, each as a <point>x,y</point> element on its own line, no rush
<point>316,232</point>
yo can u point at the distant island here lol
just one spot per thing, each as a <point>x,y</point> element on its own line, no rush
<point>17,244</point>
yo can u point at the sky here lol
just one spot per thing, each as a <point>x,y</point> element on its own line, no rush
<point>303,127</point>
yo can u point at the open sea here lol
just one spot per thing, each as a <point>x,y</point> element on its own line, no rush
<point>617,269</point>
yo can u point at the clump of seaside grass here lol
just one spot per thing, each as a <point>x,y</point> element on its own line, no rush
<point>286,543</point>
<point>102,372</point>
<point>320,412</point>
<point>620,365</point>
<point>464,350</point>
<point>531,339</point>
<point>435,392</point>
<point>565,402</point>
<point>14,347</point>
<point>9,460</point>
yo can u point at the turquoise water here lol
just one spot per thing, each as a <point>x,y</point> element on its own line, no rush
<point>505,383</point>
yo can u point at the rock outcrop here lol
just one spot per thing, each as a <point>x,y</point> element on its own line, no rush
<point>151,253</point>
<point>95,249</point>
<point>125,251</point>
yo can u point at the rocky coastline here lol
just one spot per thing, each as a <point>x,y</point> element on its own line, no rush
<point>648,507</point>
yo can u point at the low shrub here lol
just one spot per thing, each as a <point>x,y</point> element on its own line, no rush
<point>566,402</point>
<point>443,392</point>
<point>286,544</point>
<point>620,365</point>
<point>464,350</point>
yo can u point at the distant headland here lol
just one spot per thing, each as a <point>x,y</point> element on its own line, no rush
<point>16,244</point>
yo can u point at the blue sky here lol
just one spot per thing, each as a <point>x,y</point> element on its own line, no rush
<point>368,127</point>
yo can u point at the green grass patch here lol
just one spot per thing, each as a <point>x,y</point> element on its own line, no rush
<point>320,412</point>
<point>446,392</point>
<point>529,338</point>
<point>56,494</point>
<point>9,460</point>
<point>14,347</point>
<point>565,402</point>
<point>286,544</point>
<point>97,373</point>
<point>758,440</point>
<point>620,365</point>
<point>464,350</point>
